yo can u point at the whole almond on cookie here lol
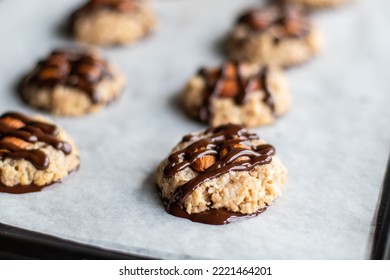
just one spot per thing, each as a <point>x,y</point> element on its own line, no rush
<point>203,163</point>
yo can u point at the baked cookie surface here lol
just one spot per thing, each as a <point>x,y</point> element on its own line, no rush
<point>316,3</point>
<point>71,83</point>
<point>239,93</point>
<point>34,153</point>
<point>112,22</point>
<point>219,175</point>
<point>279,35</point>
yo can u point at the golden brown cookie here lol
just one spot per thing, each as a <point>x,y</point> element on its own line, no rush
<point>279,35</point>
<point>220,175</point>
<point>111,22</point>
<point>237,93</point>
<point>71,83</point>
<point>34,153</point>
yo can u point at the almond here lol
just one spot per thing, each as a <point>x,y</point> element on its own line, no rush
<point>230,70</point>
<point>293,27</point>
<point>57,60</point>
<point>11,122</point>
<point>126,6</point>
<point>225,151</point>
<point>229,88</point>
<point>259,22</point>
<point>15,141</point>
<point>49,73</point>
<point>93,73</point>
<point>203,163</point>
<point>260,19</point>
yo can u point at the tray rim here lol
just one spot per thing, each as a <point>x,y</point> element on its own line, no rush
<point>380,249</point>
<point>19,243</point>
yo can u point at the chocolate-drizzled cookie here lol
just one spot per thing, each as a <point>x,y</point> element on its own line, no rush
<point>110,22</point>
<point>237,93</point>
<point>70,82</point>
<point>33,153</point>
<point>291,20</point>
<point>220,174</point>
<point>276,34</point>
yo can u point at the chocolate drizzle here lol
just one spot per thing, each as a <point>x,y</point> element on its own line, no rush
<point>232,148</point>
<point>69,68</point>
<point>231,81</point>
<point>291,19</point>
<point>17,130</point>
<point>124,6</point>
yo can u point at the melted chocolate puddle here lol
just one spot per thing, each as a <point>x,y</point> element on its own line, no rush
<point>219,216</point>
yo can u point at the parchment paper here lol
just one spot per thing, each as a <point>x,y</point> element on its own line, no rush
<point>334,141</point>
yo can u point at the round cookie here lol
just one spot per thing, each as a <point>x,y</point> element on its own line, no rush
<point>219,175</point>
<point>34,153</point>
<point>279,35</point>
<point>71,83</point>
<point>316,3</point>
<point>109,22</point>
<point>237,93</point>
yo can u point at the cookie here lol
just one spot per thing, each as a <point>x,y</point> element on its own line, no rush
<point>219,175</point>
<point>34,153</point>
<point>279,35</point>
<point>238,93</point>
<point>316,3</point>
<point>112,22</point>
<point>71,83</point>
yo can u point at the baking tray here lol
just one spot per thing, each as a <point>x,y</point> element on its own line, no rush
<point>328,209</point>
<point>16,243</point>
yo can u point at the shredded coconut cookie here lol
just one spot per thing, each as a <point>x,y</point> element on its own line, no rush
<point>71,83</point>
<point>279,35</point>
<point>238,93</point>
<point>219,175</point>
<point>112,22</point>
<point>34,153</point>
